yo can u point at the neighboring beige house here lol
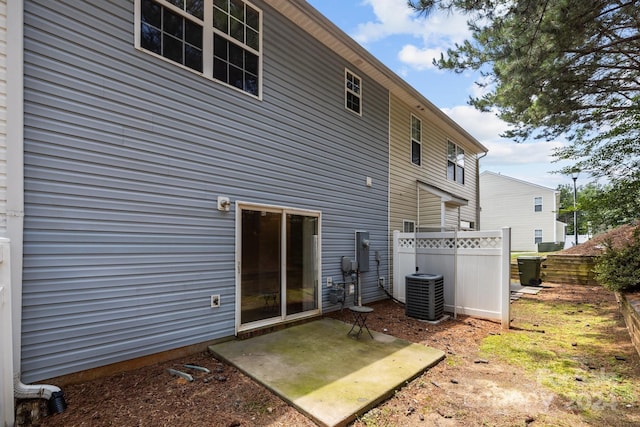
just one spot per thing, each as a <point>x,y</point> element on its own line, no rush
<point>530,210</point>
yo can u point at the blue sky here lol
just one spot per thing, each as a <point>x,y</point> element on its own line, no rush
<point>407,43</point>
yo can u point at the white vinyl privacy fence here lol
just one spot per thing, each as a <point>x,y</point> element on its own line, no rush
<point>474,264</point>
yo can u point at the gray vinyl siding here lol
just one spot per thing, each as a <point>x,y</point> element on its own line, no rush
<point>3,117</point>
<point>125,155</point>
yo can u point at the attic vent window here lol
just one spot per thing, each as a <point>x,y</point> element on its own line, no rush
<point>219,39</point>
<point>353,92</point>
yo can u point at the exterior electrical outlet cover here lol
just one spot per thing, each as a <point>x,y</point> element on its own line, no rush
<point>329,282</point>
<point>215,301</point>
<point>352,289</point>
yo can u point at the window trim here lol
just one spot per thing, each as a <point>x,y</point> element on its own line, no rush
<point>456,164</point>
<point>208,31</point>
<point>407,222</point>
<point>284,211</point>
<point>419,142</point>
<point>535,205</point>
<point>348,92</point>
<point>536,237</point>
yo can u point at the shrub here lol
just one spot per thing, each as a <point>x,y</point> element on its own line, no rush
<point>619,269</point>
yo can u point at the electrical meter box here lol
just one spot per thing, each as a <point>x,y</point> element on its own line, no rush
<point>362,250</point>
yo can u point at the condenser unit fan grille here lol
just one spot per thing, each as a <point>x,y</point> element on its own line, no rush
<point>424,296</point>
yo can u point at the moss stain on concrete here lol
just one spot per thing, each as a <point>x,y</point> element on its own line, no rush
<point>325,373</point>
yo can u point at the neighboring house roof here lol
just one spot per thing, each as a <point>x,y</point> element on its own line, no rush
<point>313,22</point>
<point>542,187</point>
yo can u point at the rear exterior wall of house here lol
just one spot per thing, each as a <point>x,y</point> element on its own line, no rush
<point>125,155</point>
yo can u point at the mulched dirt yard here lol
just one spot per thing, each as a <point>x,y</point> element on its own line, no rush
<point>462,390</point>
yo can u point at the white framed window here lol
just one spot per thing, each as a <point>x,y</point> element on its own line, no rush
<point>537,204</point>
<point>455,163</point>
<point>537,236</point>
<point>352,92</point>
<point>416,140</point>
<point>218,39</point>
<point>408,226</point>
<point>467,225</point>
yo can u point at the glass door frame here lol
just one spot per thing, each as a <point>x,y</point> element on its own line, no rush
<point>283,317</point>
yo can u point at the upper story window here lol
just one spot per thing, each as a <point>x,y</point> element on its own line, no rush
<point>416,140</point>
<point>352,92</point>
<point>537,204</point>
<point>455,163</point>
<point>219,39</point>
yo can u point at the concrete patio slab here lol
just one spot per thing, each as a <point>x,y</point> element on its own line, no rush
<point>325,374</point>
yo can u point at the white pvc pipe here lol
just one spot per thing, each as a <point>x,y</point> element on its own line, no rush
<point>7,408</point>
<point>33,391</point>
<point>15,200</point>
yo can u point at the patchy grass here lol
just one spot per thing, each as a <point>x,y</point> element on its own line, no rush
<point>578,351</point>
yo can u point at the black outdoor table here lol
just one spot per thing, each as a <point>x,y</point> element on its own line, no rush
<point>360,314</point>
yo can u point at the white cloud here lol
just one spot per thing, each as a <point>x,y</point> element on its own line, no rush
<point>485,127</point>
<point>531,161</point>
<point>420,59</point>
<point>394,17</point>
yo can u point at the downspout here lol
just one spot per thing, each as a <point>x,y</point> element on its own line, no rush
<point>15,200</point>
<point>478,207</point>
<point>455,272</point>
<point>416,229</point>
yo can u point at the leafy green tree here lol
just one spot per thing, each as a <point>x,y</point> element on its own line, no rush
<point>608,206</point>
<point>613,152</point>
<point>600,207</point>
<point>550,67</point>
<point>565,210</point>
<point>619,269</point>
<point>569,68</point>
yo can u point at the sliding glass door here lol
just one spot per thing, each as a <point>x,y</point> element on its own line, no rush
<point>278,268</point>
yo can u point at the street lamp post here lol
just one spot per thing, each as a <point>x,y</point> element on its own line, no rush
<point>574,176</point>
